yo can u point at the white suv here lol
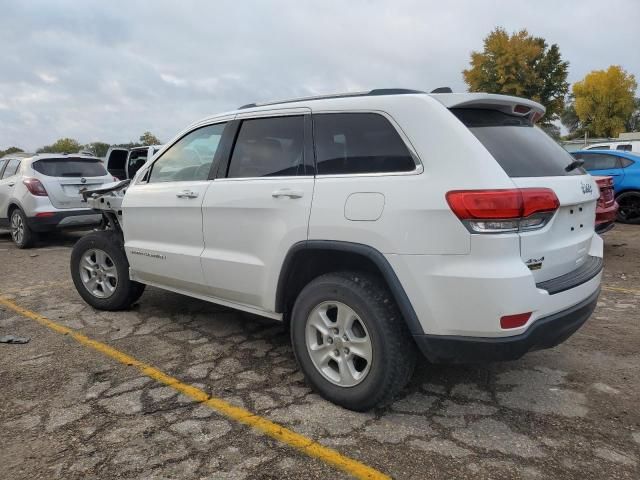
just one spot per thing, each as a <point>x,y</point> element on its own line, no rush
<point>375,225</point>
<point>41,192</point>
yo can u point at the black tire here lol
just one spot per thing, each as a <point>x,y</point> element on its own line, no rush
<point>629,208</point>
<point>393,350</point>
<point>27,237</point>
<point>126,291</point>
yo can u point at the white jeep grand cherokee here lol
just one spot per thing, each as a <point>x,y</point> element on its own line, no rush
<point>374,225</point>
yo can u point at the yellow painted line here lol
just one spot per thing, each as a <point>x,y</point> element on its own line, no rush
<point>625,290</point>
<point>289,437</point>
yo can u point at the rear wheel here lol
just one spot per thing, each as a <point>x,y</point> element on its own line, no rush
<point>351,341</point>
<point>629,207</point>
<point>21,234</point>
<point>100,272</point>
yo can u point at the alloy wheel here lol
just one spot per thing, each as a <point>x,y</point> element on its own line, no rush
<point>339,344</point>
<point>98,273</point>
<point>17,227</point>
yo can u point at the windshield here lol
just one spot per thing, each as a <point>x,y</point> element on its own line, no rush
<point>521,149</point>
<point>70,167</point>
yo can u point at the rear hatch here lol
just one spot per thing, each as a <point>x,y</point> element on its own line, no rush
<point>64,177</point>
<point>533,160</point>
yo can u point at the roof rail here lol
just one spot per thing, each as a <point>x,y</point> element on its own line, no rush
<point>374,92</point>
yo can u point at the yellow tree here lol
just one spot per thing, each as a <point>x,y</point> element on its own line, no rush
<point>605,101</point>
<point>521,65</point>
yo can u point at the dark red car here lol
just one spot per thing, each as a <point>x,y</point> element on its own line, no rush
<point>607,207</point>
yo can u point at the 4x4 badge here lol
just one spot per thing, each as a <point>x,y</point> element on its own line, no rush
<point>586,187</point>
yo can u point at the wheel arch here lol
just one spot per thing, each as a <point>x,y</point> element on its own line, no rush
<point>309,259</point>
<point>627,190</point>
<point>13,204</point>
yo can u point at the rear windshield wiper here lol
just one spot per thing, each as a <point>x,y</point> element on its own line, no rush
<point>573,165</point>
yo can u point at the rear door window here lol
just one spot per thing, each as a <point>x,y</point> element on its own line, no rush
<point>600,161</point>
<point>11,168</point>
<point>269,147</point>
<point>521,149</point>
<point>70,167</point>
<point>357,143</point>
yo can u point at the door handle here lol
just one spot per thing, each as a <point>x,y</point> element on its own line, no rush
<point>11,184</point>
<point>285,192</point>
<point>187,194</point>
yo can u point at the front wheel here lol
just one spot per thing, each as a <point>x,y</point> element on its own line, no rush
<point>100,272</point>
<point>629,207</point>
<point>351,341</point>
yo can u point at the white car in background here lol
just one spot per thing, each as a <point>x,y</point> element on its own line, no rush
<point>624,145</point>
<point>123,163</point>
<point>41,192</point>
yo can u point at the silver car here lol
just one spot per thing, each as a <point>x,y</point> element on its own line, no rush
<point>41,192</point>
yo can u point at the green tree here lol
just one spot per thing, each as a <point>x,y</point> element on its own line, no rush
<point>605,101</point>
<point>521,65</point>
<point>99,149</point>
<point>10,150</point>
<point>148,138</point>
<point>62,145</point>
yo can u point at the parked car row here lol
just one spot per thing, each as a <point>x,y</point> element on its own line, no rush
<point>624,169</point>
<point>345,218</point>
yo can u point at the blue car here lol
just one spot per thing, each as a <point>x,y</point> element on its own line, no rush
<point>624,168</point>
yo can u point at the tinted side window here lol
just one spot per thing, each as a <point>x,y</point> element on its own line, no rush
<point>190,158</point>
<point>599,161</point>
<point>603,147</point>
<point>626,147</point>
<point>626,162</point>
<point>268,147</point>
<point>11,168</point>
<point>350,143</point>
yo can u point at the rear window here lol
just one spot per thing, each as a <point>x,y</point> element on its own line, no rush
<point>521,149</point>
<point>69,167</point>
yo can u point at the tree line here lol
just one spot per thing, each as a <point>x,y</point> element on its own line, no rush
<point>99,149</point>
<point>602,104</point>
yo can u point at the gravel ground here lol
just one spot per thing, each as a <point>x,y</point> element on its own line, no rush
<point>70,412</point>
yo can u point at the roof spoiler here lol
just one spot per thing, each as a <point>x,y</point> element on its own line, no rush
<point>504,103</point>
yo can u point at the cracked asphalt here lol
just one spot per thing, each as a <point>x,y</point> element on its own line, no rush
<point>68,411</point>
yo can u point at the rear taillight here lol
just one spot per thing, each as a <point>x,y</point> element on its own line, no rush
<point>605,184</point>
<point>503,211</point>
<point>35,187</point>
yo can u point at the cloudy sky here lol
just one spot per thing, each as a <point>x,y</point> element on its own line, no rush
<point>108,71</point>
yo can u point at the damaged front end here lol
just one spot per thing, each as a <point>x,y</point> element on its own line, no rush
<point>107,200</point>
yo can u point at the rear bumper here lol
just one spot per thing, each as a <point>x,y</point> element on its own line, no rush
<point>80,218</point>
<point>544,333</point>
